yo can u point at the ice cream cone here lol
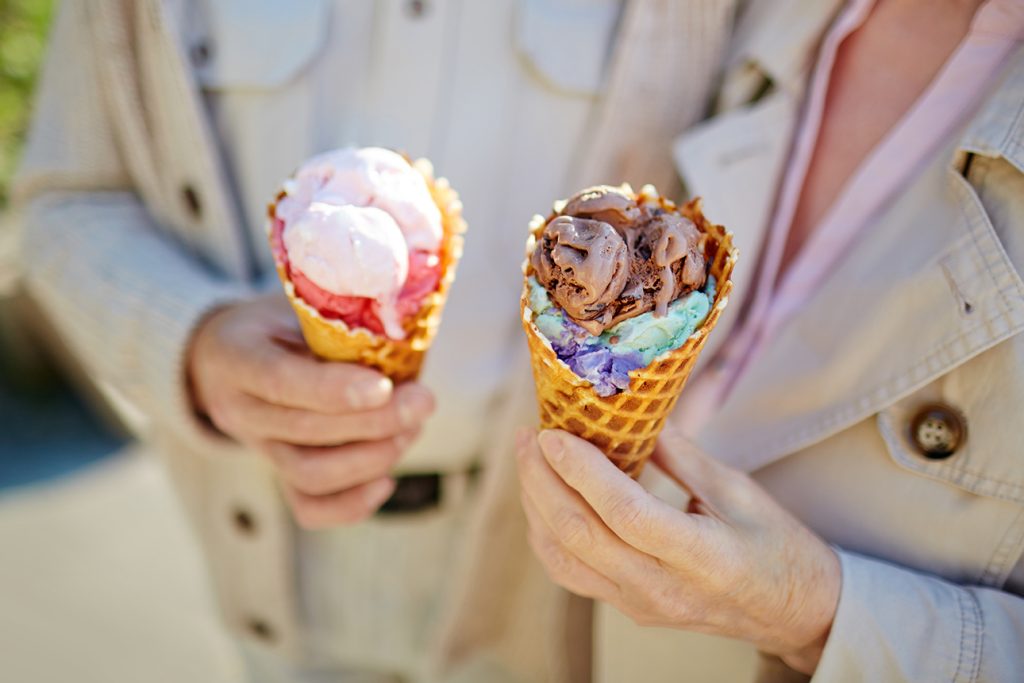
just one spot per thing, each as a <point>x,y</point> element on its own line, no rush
<point>399,359</point>
<point>626,426</point>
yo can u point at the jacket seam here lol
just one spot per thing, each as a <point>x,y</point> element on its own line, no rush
<point>972,629</point>
<point>977,230</point>
<point>963,635</point>
<point>1002,562</point>
<point>979,650</point>
<point>1011,142</point>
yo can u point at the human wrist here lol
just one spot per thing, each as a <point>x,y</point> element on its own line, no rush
<point>817,614</point>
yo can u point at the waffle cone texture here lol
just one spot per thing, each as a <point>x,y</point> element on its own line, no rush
<point>399,359</point>
<point>626,426</point>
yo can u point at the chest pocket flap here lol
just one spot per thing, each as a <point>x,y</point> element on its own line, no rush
<point>568,42</point>
<point>259,43</point>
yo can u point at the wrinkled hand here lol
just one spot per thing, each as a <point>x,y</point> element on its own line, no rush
<point>332,430</point>
<point>734,563</point>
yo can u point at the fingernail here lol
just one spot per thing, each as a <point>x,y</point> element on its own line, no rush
<point>369,393</point>
<point>414,406</point>
<point>552,445</point>
<point>378,493</point>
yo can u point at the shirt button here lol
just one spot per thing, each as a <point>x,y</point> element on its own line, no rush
<point>938,430</point>
<point>190,198</point>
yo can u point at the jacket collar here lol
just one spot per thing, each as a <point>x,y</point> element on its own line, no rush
<point>997,130</point>
<point>908,336</point>
<point>779,38</point>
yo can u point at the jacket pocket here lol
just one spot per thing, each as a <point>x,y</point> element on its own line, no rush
<point>982,399</point>
<point>260,44</point>
<point>567,43</point>
<point>974,517</point>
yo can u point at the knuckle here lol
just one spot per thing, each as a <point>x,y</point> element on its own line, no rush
<point>305,426</point>
<point>307,515</point>
<point>636,614</point>
<point>383,423</point>
<point>365,463</point>
<point>351,509</point>
<point>666,600</point>
<point>314,514</point>
<point>277,381</point>
<point>646,621</point>
<point>223,414</point>
<point>647,609</point>
<point>555,560</point>
<point>560,564</point>
<point>303,471</point>
<point>629,512</point>
<point>572,528</point>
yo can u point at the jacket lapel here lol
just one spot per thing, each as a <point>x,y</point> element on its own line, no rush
<point>661,78</point>
<point>926,301</point>
<point>778,39</point>
<point>742,152</point>
<point>729,158</point>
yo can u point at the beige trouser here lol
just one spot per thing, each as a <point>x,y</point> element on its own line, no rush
<point>370,595</point>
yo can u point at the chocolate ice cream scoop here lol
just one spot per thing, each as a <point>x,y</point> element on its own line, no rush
<point>583,262</point>
<point>676,248</point>
<point>608,258</point>
<point>604,203</point>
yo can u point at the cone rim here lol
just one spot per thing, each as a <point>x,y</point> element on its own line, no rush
<point>692,344</point>
<point>454,227</point>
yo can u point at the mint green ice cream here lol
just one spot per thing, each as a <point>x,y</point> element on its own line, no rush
<point>606,360</point>
<point>651,336</point>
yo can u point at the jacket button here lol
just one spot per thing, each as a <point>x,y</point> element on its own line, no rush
<point>261,630</point>
<point>938,430</point>
<point>200,53</point>
<point>190,198</point>
<point>243,521</point>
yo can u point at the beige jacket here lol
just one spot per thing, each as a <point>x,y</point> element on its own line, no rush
<point>131,236</point>
<point>928,308</point>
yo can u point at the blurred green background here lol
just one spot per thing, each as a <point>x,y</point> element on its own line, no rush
<point>23,25</point>
<point>49,430</point>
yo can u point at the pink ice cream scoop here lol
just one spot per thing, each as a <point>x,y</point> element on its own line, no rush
<point>355,251</point>
<point>369,176</point>
<point>359,233</point>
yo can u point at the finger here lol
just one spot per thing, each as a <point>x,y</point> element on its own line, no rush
<point>561,566</point>
<point>319,471</point>
<point>573,522</point>
<point>711,483</point>
<point>412,405</point>
<point>283,375</point>
<point>635,516</point>
<point>346,507</point>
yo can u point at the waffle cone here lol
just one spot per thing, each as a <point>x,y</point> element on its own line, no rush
<point>626,426</point>
<point>399,359</point>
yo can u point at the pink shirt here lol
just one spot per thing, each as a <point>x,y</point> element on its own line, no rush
<point>906,149</point>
